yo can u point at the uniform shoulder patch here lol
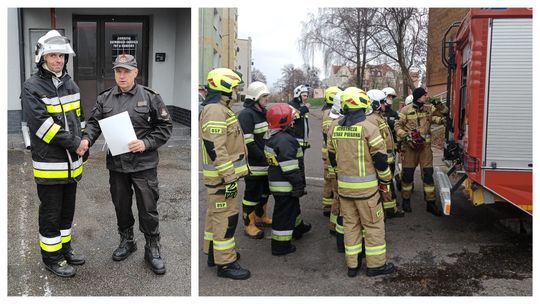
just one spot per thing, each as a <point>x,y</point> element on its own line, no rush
<point>150,90</point>
<point>105,91</point>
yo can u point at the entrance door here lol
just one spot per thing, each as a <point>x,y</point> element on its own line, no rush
<point>98,40</point>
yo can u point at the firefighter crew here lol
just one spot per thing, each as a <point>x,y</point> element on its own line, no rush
<point>327,195</point>
<point>377,99</point>
<point>300,131</point>
<point>51,104</point>
<point>284,175</point>
<point>390,115</point>
<point>414,130</point>
<point>253,122</point>
<point>336,218</point>
<point>135,171</point>
<point>358,152</point>
<point>224,163</point>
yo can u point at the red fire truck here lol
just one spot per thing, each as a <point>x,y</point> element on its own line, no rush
<point>489,93</point>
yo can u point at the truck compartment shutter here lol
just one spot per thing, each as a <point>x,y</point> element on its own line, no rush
<point>509,128</point>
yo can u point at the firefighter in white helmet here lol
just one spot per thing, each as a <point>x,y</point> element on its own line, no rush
<point>253,122</point>
<point>377,99</point>
<point>52,106</point>
<point>357,149</point>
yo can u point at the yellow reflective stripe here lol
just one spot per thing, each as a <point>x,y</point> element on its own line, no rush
<point>327,201</point>
<point>390,159</point>
<point>224,245</point>
<point>354,249</point>
<point>375,141</point>
<point>208,236</point>
<point>231,120</point>
<point>210,173</point>
<point>389,205</point>
<point>72,106</point>
<point>58,174</point>
<point>50,248</point>
<point>51,133</point>
<point>249,203</point>
<point>333,219</point>
<point>385,173</point>
<point>406,187</point>
<point>66,239</point>
<point>375,250</point>
<point>225,166</point>
<point>298,221</point>
<point>248,140</point>
<point>429,188</point>
<point>241,169</point>
<point>214,124</point>
<point>260,130</point>
<point>282,235</point>
<point>54,109</point>
<point>357,185</point>
<point>340,229</point>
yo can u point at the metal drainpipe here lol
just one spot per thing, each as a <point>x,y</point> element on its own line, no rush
<point>22,66</point>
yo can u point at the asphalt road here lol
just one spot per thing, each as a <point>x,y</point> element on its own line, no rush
<point>467,253</point>
<point>95,234</point>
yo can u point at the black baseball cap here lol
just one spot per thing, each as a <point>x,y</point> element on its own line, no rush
<point>125,61</point>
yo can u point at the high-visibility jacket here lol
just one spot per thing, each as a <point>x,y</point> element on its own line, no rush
<point>325,128</point>
<point>284,156</point>
<point>300,129</point>
<point>54,116</point>
<point>417,118</point>
<point>377,119</point>
<point>254,126</point>
<point>358,152</point>
<point>222,143</point>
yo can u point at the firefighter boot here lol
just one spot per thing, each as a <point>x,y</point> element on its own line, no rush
<point>233,271</point>
<point>61,268</point>
<point>152,254</point>
<point>261,217</point>
<point>407,205</point>
<point>250,229</point>
<point>210,261</point>
<point>127,245</point>
<point>352,272</point>
<point>384,269</point>
<point>300,230</point>
<point>391,213</point>
<point>431,207</point>
<point>73,258</point>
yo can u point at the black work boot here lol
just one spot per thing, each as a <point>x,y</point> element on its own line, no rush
<point>127,245</point>
<point>73,258</point>
<point>61,268</point>
<point>407,205</point>
<point>384,269</point>
<point>290,249</point>
<point>152,254</point>
<point>352,272</point>
<point>390,213</point>
<point>233,271</point>
<point>431,207</point>
<point>300,230</point>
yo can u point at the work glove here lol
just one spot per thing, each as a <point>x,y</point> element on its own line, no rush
<point>384,186</point>
<point>231,190</point>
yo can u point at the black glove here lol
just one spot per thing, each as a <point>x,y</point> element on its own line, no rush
<point>231,190</point>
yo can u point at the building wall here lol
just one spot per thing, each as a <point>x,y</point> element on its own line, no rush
<point>14,83</point>
<point>169,31</point>
<point>440,20</point>
<point>244,60</point>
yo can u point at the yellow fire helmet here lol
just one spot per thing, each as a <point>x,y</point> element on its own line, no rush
<point>329,94</point>
<point>223,80</point>
<point>354,98</point>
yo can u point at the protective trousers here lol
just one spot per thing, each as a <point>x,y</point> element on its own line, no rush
<point>145,185</point>
<point>56,212</point>
<point>220,225</point>
<point>283,222</point>
<point>369,215</point>
<point>328,194</point>
<point>255,195</point>
<point>334,211</point>
<point>411,159</point>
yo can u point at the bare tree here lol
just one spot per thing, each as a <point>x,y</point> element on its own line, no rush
<point>343,35</point>
<point>401,36</point>
<point>257,75</point>
<point>291,77</point>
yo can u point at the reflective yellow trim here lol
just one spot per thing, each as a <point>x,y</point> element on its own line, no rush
<point>354,249</point>
<point>249,203</point>
<point>224,245</point>
<point>208,236</point>
<point>50,248</point>
<point>51,133</point>
<point>405,187</point>
<point>333,219</point>
<point>66,238</point>
<point>339,228</point>
<point>375,250</point>
<point>357,185</point>
<point>385,173</point>
<point>429,188</point>
<point>327,201</point>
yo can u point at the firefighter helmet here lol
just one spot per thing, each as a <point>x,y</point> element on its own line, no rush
<point>223,80</point>
<point>256,90</point>
<point>279,116</point>
<point>389,91</point>
<point>408,100</point>
<point>300,89</point>
<point>52,42</point>
<point>354,98</point>
<point>377,97</point>
<point>329,94</point>
<point>335,111</point>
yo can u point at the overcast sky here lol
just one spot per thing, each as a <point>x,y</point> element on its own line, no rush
<point>274,31</point>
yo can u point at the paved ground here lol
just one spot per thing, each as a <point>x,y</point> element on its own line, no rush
<point>467,253</point>
<point>94,231</point>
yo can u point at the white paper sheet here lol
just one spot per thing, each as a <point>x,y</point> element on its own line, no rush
<point>118,132</point>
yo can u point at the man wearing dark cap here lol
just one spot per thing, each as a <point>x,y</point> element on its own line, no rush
<point>414,129</point>
<point>135,171</point>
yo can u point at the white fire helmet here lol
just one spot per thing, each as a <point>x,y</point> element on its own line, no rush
<point>300,89</point>
<point>335,111</point>
<point>389,91</point>
<point>256,90</point>
<point>408,100</point>
<point>52,42</point>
